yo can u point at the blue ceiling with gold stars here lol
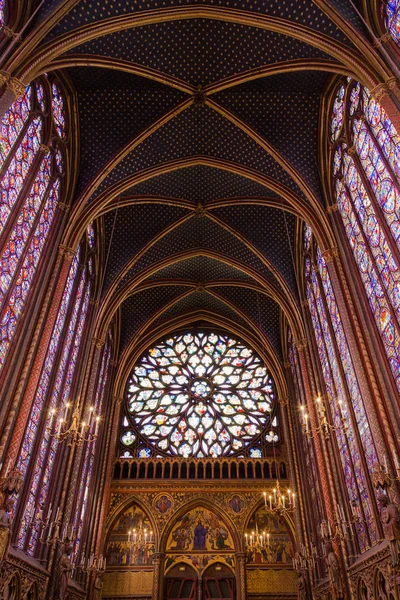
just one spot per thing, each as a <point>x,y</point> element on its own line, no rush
<point>199,139</point>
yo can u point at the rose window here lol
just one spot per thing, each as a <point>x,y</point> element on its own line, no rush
<point>198,394</point>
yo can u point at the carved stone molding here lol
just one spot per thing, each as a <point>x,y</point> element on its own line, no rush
<point>98,342</point>
<point>11,34</point>
<point>330,255</point>
<point>332,208</point>
<point>44,148</point>
<point>16,86</point>
<point>301,345</point>
<point>67,253</point>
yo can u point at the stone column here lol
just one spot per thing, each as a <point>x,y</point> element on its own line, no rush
<point>158,576</point>
<point>241,575</point>
<point>364,375</point>
<point>301,346</point>
<point>200,588</point>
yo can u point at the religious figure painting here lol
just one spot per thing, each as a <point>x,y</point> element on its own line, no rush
<point>131,541</point>
<point>268,539</point>
<point>200,530</point>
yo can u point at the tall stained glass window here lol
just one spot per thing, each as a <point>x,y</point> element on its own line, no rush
<point>308,446</point>
<point>353,433</point>
<point>89,454</point>
<point>31,170</point>
<point>393,19</point>
<point>38,451</point>
<point>365,154</point>
<point>199,394</point>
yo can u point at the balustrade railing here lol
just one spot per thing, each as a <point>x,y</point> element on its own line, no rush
<point>180,468</point>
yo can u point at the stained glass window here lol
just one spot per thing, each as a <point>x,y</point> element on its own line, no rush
<point>198,394</point>
<point>366,171</point>
<point>29,213</point>
<point>87,467</point>
<point>2,3</point>
<point>60,394</point>
<point>393,19</point>
<point>352,428</point>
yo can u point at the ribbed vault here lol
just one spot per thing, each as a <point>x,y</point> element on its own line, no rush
<point>199,153</point>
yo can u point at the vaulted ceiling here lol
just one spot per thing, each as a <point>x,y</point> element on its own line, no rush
<point>199,127</point>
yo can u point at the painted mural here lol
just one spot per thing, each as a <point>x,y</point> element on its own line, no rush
<point>199,530</point>
<point>131,540</point>
<point>268,540</point>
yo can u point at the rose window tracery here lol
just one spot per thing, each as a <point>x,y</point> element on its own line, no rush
<point>199,394</point>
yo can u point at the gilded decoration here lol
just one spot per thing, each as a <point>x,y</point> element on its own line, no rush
<point>274,541</point>
<point>163,503</point>
<point>131,541</point>
<point>199,530</point>
<point>199,561</point>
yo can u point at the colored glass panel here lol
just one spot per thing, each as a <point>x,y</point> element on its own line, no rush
<point>90,234</point>
<point>200,395</point>
<point>13,179</point>
<point>2,2</point>
<point>368,200</point>
<point>48,447</point>
<point>382,184</point>
<point>348,449</point>
<point>58,111</point>
<point>383,131</point>
<point>18,297</point>
<point>13,122</point>
<point>40,398</point>
<point>337,113</point>
<point>86,476</point>
<point>23,226</point>
<point>393,19</point>
<point>375,274</point>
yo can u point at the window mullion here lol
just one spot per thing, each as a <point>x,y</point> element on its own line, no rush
<point>344,385</point>
<point>373,260</point>
<point>378,208</point>
<point>22,197</point>
<point>17,271</point>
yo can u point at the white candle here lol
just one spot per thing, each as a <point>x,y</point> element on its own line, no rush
<point>270,502</point>
<point>91,409</point>
<point>293,499</point>
<point>265,498</point>
<point>66,410</point>
<point>97,425</point>
<point>59,426</point>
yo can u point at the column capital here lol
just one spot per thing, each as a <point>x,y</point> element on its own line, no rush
<point>352,150</point>
<point>283,400</point>
<point>332,208</point>
<point>330,254</point>
<point>67,253</point>
<point>98,342</point>
<point>11,34</point>
<point>240,556</point>
<point>44,148</point>
<point>16,86</point>
<point>158,556</point>
<point>301,345</point>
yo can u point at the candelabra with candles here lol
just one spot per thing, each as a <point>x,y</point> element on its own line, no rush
<point>50,530</point>
<point>94,564</point>
<point>324,428</point>
<point>78,431</point>
<point>381,477</point>
<point>139,540</point>
<point>255,539</point>
<point>304,559</point>
<point>279,501</point>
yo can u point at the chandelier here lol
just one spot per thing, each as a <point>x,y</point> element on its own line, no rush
<point>140,538</point>
<point>255,539</point>
<point>78,431</point>
<point>279,502</point>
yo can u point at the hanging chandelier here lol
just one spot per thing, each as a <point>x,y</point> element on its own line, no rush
<point>278,501</point>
